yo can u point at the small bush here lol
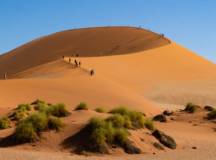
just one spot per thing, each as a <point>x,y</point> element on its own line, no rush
<point>137,119</point>
<point>117,120</point>
<point>82,106</point>
<point>149,124</point>
<point>4,123</point>
<point>121,136</point>
<point>55,123</point>
<point>25,132</point>
<point>212,115</point>
<point>120,110</point>
<point>41,107</point>
<point>132,119</point>
<point>191,108</point>
<point>58,110</point>
<point>100,110</point>
<point>17,115</point>
<point>23,107</point>
<point>38,120</point>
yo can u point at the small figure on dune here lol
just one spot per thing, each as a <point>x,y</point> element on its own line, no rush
<point>63,57</point>
<point>79,63</point>
<point>69,59</point>
<point>76,63</point>
<point>162,35</point>
<point>92,72</point>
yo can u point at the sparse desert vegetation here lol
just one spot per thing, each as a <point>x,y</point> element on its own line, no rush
<point>100,110</point>
<point>81,106</point>
<point>191,108</point>
<point>4,123</point>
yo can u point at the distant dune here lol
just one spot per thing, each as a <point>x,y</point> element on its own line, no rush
<point>158,71</point>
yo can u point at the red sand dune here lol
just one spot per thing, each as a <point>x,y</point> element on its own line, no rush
<point>134,67</point>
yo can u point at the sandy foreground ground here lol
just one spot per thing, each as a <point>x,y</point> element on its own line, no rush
<point>205,153</point>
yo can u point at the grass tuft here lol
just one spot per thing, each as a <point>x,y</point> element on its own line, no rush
<point>100,110</point>
<point>82,106</point>
<point>4,123</point>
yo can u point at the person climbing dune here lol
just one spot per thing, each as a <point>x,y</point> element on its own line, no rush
<point>76,63</point>
<point>92,72</point>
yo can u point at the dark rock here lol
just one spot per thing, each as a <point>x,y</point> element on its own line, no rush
<point>167,113</point>
<point>160,118</point>
<point>164,139</point>
<point>209,108</point>
<point>130,148</point>
<point>158,146</point>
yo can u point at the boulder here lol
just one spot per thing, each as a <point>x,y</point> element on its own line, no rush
<point>209,108</point>
<point>160,118</point>
<point>164,139</point>
<point>130,148</point>
<point>167,113</point>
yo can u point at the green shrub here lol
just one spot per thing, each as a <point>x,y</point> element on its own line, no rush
<point>137,119</point>
<point>55,123</point>
<point>117,120</point>
<point>17,115</point>
<point>191,108</point>
<point>25,132</point>
<point>58,110</point>
<point>149,124</point>
<point>4,123</point>
<point>23,107</point>
<point>38,120</point>
<point>81,106</point>
<point>121,136</point>
<point>100,110</point>
<point>120,110</point>
<point>212,115</point>
<point>132,119</point>
<point>41,107</point>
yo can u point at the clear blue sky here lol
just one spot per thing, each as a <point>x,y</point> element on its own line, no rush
<point>191,23</point>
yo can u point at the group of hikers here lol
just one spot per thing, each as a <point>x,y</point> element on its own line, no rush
<point>78,64</point>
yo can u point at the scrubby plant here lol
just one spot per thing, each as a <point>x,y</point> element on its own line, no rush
<point>17,115</point>
<point>117,120</point>
<point>38,120</point>
<point>82,106</point>
<point>191,108</point>
<point>212,114</point>
<point>4,123</point>
<point>120,110</point>
<point>121,136</point>
<point>100,110</point>
<point>55,123</point>
<point>25,132</point>
<point>132,119</point>
<point>104,133</point>
<point>137,119</point>
<point>41,107</point>
<point>23,107</point>
<point>58,110</point>
<point>149,124</point>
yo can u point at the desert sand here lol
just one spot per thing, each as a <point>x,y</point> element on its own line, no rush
<point>140,69</point>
